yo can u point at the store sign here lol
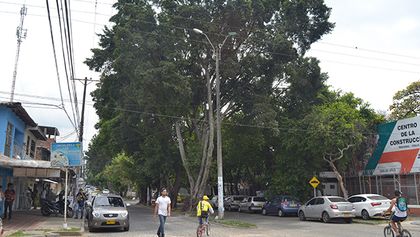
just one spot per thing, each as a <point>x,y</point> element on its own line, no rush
<point>66,154</point>
<point>398,148</point>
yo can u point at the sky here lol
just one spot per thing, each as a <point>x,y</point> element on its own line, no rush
<point>373,51</point>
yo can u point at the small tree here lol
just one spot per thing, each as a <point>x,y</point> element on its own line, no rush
<point>333,129</point>
<point>406,102</point>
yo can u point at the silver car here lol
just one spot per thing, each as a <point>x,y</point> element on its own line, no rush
<point>327,208</point>
<point>233,202</point>
<point>252,204</point>
<point>107,211</point>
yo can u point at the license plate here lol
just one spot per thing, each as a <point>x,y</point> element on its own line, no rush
<point>110,222</point>
<point>347,214</point>
<point>293,205</point>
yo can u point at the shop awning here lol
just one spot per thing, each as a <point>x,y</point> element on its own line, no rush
<point>30,168</point>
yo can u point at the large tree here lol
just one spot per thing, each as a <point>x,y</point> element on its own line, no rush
<point>158,75</point>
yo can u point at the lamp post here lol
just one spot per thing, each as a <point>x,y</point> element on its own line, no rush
<point>217,51</point>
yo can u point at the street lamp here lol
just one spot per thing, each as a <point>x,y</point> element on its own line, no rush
<point>217,51</point>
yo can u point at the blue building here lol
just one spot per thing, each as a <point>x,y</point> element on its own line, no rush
<point>14,121</point>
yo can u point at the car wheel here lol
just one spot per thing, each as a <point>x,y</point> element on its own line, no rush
<point>365,215</point>
<point>127,228</point>
<point>302,216</point>
<point>280,213</point>
<point>349,220</point>
<point>249,209</point>
<point>325,217</point>
<point>264,212</point>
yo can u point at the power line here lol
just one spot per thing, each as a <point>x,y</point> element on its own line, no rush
<point>64,61</point>
<point>56,64</point>
<point>369,50</point>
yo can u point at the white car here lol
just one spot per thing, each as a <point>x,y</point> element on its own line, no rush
<point>369,205</point>
<point>327,208</point>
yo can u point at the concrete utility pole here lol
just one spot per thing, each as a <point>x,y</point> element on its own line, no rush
<point>21,35</point>
<point>217,51</point>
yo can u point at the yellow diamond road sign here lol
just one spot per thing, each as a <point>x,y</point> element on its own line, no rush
<point>314,182</point>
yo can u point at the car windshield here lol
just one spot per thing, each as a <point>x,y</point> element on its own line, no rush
<point>378,198</point>
<point>337,199</point>
<point>290,200</point>
<point>259,199</point>
<point>109,201</point>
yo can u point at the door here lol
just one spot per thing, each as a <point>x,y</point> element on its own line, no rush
<point>319,207</point>
<point>358,204</point>
<point>309,208</point>
<point>272,206</point>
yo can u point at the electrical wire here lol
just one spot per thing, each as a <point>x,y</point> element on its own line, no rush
<point>64,61</point>
<point>56,63</point>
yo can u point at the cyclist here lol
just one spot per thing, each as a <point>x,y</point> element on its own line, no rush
<point>203,209</point>
<point>399,204</point>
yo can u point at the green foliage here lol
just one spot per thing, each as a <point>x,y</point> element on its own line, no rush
<point>119,174</point>
<point>406,102</point>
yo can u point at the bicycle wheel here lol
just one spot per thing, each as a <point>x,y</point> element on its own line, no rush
<point>199,231</point>
<point>388,231</point>
<point>405,233</point>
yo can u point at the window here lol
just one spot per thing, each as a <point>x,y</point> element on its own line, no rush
<point>259,199</point>
<point>109,201</point>
<point>332,186</point>
<point>337,199</point>
<point>378,198</point>
<point>249,199</point>
<point>27,144</point>
<point>32,155</point>
<point>354,199</point>
<point>319,201</point>
<point>8,143</point>
<point>311,202</point>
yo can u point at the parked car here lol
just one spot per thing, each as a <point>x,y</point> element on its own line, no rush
<point>369,205</point>
<point>107,211</point>
<point>233,202</point>
<point>252,204</point>
<point>327,208</point>
<point>281,206</point>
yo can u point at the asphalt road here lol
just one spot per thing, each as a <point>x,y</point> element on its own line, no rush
<point>142,224</point>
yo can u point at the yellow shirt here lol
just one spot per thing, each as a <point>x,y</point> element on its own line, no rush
<point>204,206</point>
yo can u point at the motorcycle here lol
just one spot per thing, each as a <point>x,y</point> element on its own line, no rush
<point>49,207</point>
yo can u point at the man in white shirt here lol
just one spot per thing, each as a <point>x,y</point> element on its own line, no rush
<point>163,210</point>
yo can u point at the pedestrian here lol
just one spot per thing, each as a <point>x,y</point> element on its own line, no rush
<point>10,196</point>
<point>163,210</point>
<point>2,199</point>
<point>81,199</point>
<point>35,196</point>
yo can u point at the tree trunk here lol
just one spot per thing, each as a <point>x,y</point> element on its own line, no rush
<point>198,183</point>
<point>339,179</point>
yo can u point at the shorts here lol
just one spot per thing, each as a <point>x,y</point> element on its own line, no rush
<point>200,219</point>
<point>398,219</point>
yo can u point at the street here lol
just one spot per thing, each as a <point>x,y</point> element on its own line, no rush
<point>142,224</point>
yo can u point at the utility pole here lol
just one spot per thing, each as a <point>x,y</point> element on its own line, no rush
<point>217,51</point>
<point>21,35</point>
<point>82,119</point>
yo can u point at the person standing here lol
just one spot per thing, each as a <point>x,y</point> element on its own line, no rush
<point>81,198</point>
<point>2,198</point>
<point>163,210</point>
<point>10,196</point>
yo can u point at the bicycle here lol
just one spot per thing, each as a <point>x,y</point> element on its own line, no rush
<point>203,228</point>
<point>388,232</point>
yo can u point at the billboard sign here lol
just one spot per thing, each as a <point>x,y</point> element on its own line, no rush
<point>398,148</point>
<point>66,154</point>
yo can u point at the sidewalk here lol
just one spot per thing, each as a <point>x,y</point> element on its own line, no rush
<point>32,220</point>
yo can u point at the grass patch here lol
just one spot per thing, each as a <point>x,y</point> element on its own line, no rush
<point>371,221</point>
<point>236,223</point>
<point>18,233</point>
